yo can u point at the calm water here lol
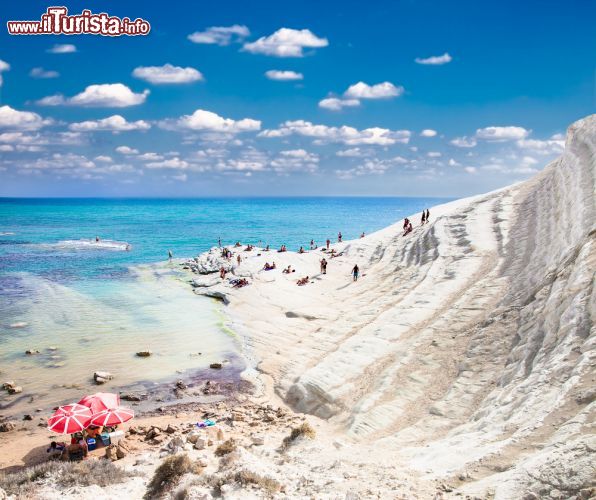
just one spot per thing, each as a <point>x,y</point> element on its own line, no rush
<point>98,304</point>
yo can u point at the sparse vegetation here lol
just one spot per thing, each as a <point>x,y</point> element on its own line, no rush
<point>245,478</point>
<point>226,447</point>
<point>305,429</point>
<point>168,473</point>
<point>63,474</point>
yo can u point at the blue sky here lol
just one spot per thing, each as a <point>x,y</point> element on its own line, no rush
<point>352,104</point>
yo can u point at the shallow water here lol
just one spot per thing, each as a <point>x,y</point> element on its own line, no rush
<point>100,303</point>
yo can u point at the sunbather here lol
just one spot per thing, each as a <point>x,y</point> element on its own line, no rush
<point>302,281</point>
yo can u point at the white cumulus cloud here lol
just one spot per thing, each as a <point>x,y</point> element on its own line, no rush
<point>463,142</point>
<point>4,66</point>
<point>172,163</point>
<point>286,42</point>
<point>383,90</point>
<point>220,35</point>
<point>336,104</point>
<point>108,95</point>
<point>344,134</point>
<point>114,123</point>
<point>126,150</point>
<point>428,132</point>
<point>62,48</point>
<point>283,76</point>
<point>435,60</point>
<point>202,120</point>
<point>167,74</point>
<point>43,73</point>
<point>22,120</point>
<point>502,133</point>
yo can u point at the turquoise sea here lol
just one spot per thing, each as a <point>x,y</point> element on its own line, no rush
<point>87,306</point>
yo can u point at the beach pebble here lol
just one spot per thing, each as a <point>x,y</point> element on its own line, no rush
<point>200,444</point>
<point>27,417</point>
<point>216,366</point>
<point>16,389</point>
<point>7,426</point>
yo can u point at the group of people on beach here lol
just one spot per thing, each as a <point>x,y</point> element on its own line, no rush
<point>408,224</point>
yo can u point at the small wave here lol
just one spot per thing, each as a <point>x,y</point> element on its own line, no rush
<point>6,233</point>
<point>89,245</point>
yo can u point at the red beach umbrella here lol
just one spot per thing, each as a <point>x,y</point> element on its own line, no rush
<point>101,401</point>
<point>69,419</point>
<point>112,416</point>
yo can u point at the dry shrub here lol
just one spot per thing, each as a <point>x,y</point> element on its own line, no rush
<point>167,475</point>
<point>244,478</point>
<point>64,474</point>
<point>304,429</point>
<point>226,447</point>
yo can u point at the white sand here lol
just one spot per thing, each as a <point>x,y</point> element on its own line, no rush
<point>461,351</point>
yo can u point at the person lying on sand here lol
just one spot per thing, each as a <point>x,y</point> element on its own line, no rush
<point>302,281</point>
<point>248,248</point>
<point>289,270</point>
<point>239,283</point>
<point>269,267</point>
<point>238,244</point>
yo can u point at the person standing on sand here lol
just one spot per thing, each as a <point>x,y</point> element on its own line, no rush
<point>219,242</point>
<point>170,255</point>
<point>355,272</point>
<point>427,215</point>
<point>328,243</point>
<point>323,266</point>
<point>239,259</point>
<point>423,218</point>
<point>339,237</point>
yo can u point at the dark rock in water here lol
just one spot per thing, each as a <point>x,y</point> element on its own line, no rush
<point>130,397</point>
<point>216,366</point>
<point>102,377</point>
<point>30,352</point>
<point>180,385</point>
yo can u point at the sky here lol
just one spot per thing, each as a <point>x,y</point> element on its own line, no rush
<point>274,98</point>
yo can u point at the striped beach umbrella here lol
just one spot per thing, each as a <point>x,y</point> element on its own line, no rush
<point>69,419</point>
<point>101,401</point>
<point>112,416</point>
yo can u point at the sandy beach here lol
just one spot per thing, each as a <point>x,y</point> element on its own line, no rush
<point>460,363</point>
